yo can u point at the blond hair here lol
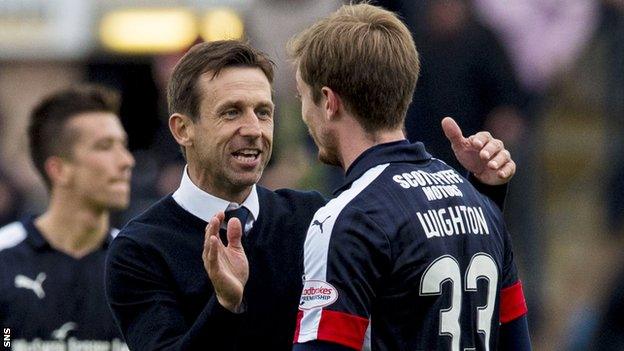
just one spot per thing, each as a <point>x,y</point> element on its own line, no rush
<point>366,55</point>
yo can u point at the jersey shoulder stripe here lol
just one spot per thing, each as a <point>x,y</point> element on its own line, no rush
<point>316,248</point>
<point>11,235</point>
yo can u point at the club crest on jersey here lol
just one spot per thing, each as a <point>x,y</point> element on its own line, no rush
<point>316,294</point>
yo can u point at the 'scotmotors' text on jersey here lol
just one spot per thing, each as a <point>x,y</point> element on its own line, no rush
<point>436,186</point>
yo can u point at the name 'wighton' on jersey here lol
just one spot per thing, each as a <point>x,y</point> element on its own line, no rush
<point>409,256</point>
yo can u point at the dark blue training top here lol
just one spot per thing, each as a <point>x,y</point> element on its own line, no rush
<point>409,256</point>
<point>162,298</point>
<point>50,300</point>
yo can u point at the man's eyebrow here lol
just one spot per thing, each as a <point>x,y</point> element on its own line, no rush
<point>238,103</point>
<point>228,103</point>
<point>111,138</point>
<point>267,104</point>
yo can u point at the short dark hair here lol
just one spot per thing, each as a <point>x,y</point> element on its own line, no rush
<point>182,94</point>
<point>48,134</point>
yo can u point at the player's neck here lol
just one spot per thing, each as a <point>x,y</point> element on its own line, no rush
<point>353,144</point>
<point>73,228</point>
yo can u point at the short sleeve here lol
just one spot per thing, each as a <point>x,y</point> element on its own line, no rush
<point>343,263</point>
<point>512,301</point>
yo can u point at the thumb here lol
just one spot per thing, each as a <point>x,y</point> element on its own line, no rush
<point>234,233</point>
<point>452,131</point>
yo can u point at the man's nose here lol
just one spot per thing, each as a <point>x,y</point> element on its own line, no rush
<point>127,160</point>
<point>251,125</point>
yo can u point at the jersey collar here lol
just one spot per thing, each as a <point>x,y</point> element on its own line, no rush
<point>38,241</point>
<point>396,151</point>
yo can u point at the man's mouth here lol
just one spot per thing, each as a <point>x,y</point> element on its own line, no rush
<point>246,155</point>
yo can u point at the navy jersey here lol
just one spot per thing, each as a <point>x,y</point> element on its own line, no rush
<point>408,257</point>
<point>49,300</point>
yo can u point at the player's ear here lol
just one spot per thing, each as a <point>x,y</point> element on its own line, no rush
<point>182,129</point>
<point>58,170</point>
<point>332,102</point>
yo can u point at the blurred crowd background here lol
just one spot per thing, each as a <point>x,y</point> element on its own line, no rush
<point>545,76</point>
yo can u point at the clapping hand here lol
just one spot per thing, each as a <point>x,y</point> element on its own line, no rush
<point>227,266</point>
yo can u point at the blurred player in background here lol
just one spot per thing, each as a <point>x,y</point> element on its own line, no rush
<point>409,255</point>
<point>52,275</point>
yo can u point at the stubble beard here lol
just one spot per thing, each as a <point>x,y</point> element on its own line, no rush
<point>239,181</point>
<point>328,153</point>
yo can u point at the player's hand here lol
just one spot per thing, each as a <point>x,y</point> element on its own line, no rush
<point>227,266</point>
<point>481,154</point>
